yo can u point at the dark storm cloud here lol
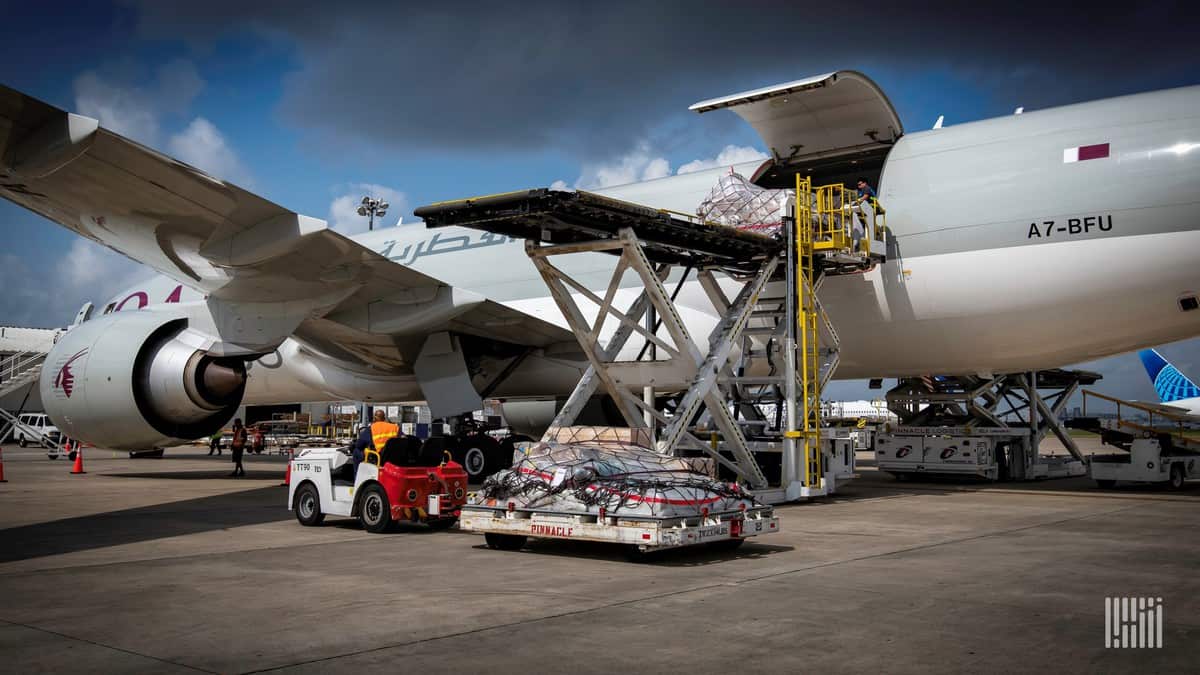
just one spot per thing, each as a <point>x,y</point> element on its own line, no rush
<point>592,77</point>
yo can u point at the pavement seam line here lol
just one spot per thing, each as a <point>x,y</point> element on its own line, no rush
<point>106,646</point>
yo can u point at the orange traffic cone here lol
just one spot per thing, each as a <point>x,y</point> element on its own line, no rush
<point>78,468</point>
<point>2,478</point>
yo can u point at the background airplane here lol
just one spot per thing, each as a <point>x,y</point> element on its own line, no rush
<point>1174,388</point>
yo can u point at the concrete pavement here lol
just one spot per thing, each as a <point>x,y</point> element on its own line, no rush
<point>166,565</point>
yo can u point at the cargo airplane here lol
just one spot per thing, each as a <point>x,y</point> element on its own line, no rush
<point>1019,243</point>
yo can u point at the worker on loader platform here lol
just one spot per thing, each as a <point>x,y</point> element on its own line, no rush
<point>864,196</point>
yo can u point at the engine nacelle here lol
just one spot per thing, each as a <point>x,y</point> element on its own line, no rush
<point>139,380</point>
<point>533,417</point>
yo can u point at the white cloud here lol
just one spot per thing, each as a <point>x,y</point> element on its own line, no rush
<point>343,211</point>
<point>135,110</point>
<point>138,110</point>
<point>203,146</point>
<point>86,272</point>
<point>731,154</point>
<point>638,165</point>
<point>642,164</point>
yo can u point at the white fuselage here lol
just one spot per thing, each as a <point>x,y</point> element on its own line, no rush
<point>1004,257</point>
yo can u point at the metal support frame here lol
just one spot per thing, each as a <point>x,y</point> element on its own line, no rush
<point>681,364</point>
<point>681,392</point>
<point>985,404</point>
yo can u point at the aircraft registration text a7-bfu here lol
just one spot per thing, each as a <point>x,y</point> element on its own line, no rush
<point>1019,243</point>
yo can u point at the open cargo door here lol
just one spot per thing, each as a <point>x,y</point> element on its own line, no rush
<point>827,126</point>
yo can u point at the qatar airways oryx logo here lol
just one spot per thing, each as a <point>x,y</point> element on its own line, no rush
<point>65,380</point>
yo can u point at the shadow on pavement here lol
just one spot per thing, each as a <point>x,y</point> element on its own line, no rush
<point>693,556</point>
<point>875,483</point>
<point>252,475</point>
<point>203,514</point>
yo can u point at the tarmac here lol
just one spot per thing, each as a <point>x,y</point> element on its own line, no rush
<point>168,565</point>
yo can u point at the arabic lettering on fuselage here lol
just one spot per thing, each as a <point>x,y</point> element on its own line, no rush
<point>441,243</point>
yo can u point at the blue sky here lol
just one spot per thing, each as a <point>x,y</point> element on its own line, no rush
<point>309,103</point>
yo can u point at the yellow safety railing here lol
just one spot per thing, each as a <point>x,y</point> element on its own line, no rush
<point>807,315</point>
<point>835,210</point>
<point>1171,424</point>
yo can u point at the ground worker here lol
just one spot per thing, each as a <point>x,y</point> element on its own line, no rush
<point>238,446</point>
<point>382,430</point>
<point>361,444</point>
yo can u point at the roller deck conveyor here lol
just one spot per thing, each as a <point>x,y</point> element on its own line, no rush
<point>569,217</point>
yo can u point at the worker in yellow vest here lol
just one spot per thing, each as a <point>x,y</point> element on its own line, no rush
<point>382,431</point>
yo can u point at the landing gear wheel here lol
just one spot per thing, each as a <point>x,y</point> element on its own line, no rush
<point>442,524</point>
<point>474,462</point>
<point>480,456</point>
<point>71,455</point>
<point>1106,484</point>
<point>374,511</point>
<point>22,442</point>
<point>504,542</point>
<point>1176,480</point>
<point>307,505</point>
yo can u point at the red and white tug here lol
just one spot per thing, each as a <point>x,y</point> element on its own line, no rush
<point>381,494</point>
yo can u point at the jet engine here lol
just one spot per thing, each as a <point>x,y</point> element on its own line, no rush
<point>139,380</point>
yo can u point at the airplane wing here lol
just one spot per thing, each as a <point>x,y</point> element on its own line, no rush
<point>268,272</point>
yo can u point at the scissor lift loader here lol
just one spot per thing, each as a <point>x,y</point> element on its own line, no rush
<point>694,402</point>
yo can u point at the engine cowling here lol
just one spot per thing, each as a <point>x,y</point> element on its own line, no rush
<point>139,380</point>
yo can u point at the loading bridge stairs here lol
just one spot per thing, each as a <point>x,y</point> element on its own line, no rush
<point>756,385</point>
<point>19,371</point>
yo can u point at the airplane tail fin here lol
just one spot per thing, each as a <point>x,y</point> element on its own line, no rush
<point>1170,384</point>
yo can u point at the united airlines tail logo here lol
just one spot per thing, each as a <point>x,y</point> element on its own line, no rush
<point>65,380</point>
<point>1172,385</point>
<point>1169,383</point>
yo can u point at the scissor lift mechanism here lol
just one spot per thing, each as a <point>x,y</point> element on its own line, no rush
<point>653,244</point>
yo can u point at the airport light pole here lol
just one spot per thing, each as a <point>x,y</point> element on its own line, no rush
<point>372,207</point>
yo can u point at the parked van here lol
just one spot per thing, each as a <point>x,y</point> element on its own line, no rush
<point>35,428</point>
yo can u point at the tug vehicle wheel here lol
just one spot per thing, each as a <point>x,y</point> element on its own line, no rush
<point>374,511</point>
<point>504,542</point>
<point>1176,480</point>
<point>307,505</point>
